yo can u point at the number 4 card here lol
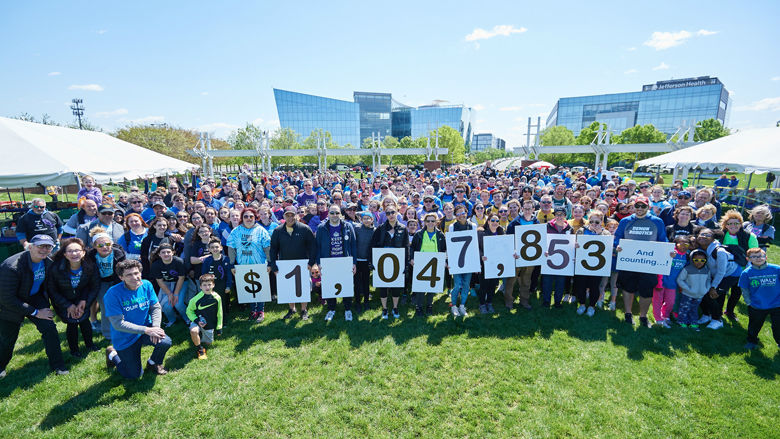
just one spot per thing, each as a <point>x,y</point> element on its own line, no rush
<point>428,273</point>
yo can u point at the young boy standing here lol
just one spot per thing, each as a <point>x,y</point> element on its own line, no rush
<point>760,288</point>
<point>205,312</point>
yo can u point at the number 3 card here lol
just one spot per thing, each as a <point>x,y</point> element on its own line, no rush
<point>499,251</point>
<point>594,255</point>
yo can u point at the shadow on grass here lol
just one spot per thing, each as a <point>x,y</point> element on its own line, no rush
<point>95,396</point>
<point>28,376</point>
<point>763,366</point>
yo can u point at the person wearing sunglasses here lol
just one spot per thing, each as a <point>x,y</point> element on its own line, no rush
<point>290,241</point>
<point>38,221</point>
<point>694,282</point>
<point>487,287</point>
<point>248,244</point>
<point>460,281</point>
<point>391,234</point>
<point>335,238</point>
<point>640,226</point>
<point>428,239</point>
<point>105,255</point>
<point>105,220</point>
<point>736,238</point>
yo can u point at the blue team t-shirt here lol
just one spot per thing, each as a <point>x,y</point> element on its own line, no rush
<point>39,274</point>
<point>249,244</point>
<point>133,306</point>
<point>761,286</point>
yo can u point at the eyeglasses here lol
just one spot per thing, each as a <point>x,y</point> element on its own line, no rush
<point>39,207</point>
<point>461,213</point>
<point>479,208</point>
<point>430,221</point>
<point>732,223</point>
<point>503,211</point>
<point>107,213</point>
<point>705,235</point>
<point>609,195</point>
<point>108,244</point>
<point>622,190</point>
<point>640,206</point>
<point>644,187</point>
<point>390,212</point>
<point>248,217</point>
<point>699,260</point>
<point>545,202</point>
<point>460,192</point>
<point>181,216</point>
<point>136,202</point>
<point>494,220</point>
<point>759,256</point>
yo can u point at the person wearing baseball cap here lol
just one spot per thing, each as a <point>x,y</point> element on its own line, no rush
<point>557,226</point>
<point>22,277</point>
<point>105,220</point>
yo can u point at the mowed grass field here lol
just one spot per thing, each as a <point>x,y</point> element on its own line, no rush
<point>538,373</point>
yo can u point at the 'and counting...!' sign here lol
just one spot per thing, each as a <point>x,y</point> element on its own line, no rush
<point>645,256</point>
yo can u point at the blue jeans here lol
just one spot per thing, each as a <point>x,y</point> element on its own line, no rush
<point>170,310</point>
<point>550,281</point>
<point>257,306</point>
<point>460,285</point>
<point>129,365</point>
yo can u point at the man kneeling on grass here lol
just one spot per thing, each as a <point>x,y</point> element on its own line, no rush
<point>205,312</point>
<point>761,290</point>
<point>135,315</point>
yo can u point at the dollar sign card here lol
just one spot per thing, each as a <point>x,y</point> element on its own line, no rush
<point>252,283</point>
<point>337,278</point>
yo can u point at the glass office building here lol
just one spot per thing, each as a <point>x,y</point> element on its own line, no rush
<point>305,113</point>
<point>667,105</point>
<point>375,110</point>
<point>352,122</point>
<point>483,141</point>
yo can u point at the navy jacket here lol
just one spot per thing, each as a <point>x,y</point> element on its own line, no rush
<point>323,240</point>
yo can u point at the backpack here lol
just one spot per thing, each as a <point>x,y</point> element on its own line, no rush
<point>737,251</point>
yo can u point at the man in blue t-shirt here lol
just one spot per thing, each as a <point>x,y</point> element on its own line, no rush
<point>760,284</point>
<point>135,316</point>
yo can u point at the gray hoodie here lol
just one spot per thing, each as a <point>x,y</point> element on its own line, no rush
<point>694,282</point>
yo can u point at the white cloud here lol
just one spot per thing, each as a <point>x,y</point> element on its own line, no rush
<point>667,40</point>
<point>101,31</point>
<point>766,104</point>
<point>631,71</point>
<point>512,108</point>
<point>662,66</point>
<point>501,29</point>
<point>86,87</point>
<point>631,49</point>
<point>478,107</point>
<point>776,78</point>
<point>55,73</point>
<point>112,113</point>
<point>217,126</point>
<point>204,93</point>
<point>144,120</point>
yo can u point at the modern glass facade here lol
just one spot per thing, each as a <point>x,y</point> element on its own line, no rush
<point>305,113</point>
<point>665,104</point>
<point>481,142</point>
<point>351,122</point>
<point>375,110</point>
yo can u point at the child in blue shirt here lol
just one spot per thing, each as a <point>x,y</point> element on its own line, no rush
<point>665,292</point>
<point>761,291</point>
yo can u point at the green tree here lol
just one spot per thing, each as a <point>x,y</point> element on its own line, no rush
<point>710,129</point>
<point>488,154</point>
<point>285,138</point>
<point>641,134</point>
<point>171,141</point>
<point>556,135</point>
<point>588,134</point>
<point>451,139</point>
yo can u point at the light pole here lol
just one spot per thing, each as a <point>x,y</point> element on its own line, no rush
<point>78,110</point>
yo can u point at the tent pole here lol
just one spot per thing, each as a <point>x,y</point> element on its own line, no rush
<point>747,192</point>
<point>23,199</point>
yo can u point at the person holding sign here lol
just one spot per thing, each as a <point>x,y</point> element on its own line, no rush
<point>524,275</point>
<point>391,234</point>
<point>587,287</point>
<point>364,233</point>
<point>460,281</point>
<point>487,287</point>
<point>429,239</point>
<point>336,238</point>
<point>558,226</point>
<point>248,244</point>
<point>293,241</point>
<point>639,226</point>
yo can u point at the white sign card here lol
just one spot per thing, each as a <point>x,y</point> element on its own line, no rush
<point>293,281</point>
<point>560,259</point>
<point>463,252</point>
<point>252,283</point>
<point>594,255</point>
<point>337,278</point>
<point>428,272</point>
<point>645,256</point>
<point>530,242</point>
<point>388,267</point>
<point>499,251</point>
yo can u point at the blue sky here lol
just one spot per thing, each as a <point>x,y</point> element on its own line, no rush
<point>213,65</point>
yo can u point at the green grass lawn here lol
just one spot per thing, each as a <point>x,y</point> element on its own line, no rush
<point>539,373</point>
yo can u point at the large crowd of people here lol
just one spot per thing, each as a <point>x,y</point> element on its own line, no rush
<point>129,265</point>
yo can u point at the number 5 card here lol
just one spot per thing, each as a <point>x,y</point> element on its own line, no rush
<point>560,255</point>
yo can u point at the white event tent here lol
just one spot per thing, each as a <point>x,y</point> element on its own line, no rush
<point>33,153</point>
<point>749,151</point>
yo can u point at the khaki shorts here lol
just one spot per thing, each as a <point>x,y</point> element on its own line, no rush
<point>206,335</point>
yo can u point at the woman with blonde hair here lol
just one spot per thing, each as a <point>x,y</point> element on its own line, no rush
<point>759,223</point>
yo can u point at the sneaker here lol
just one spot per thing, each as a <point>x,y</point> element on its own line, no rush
<point>664,324</point>
<point>566,298</point>
<point>253,315</point>
<point>629,318</point>
<point>694,326</point>
<point>200,353</point>
<point>305,314</point>
<point>156,369</point>
<point>644,323</point>
<point>715,324</point>
<point>61,371</point>
<point>109,363</point>
<point>591,311</point>
<point>384,314</point>
<point>2,374</point>
<point>429,310</point>
<point>490,308</point>
<point>348,316</point>
<point>704,320</point>
<point>329,315</point>
<point>599,303</point>
<point>260,317</point>
<point>683,325</point>
<point>396,315</point>
<point>611,306</point>
<point>749,346</point>
<point>454,310</point>
<point>462,311</point>
<point>731,316</point>
<point>289,315</point>
<point>483,309</point>
<point>581,310</point>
